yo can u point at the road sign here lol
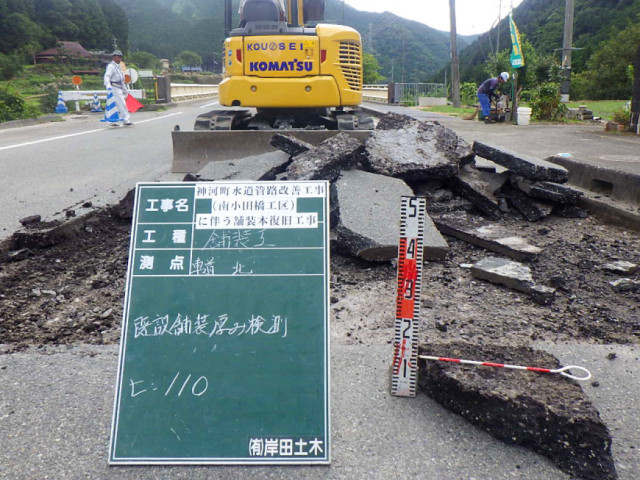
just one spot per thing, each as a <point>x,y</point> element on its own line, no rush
<point>410,254</point>
<point>224,352</point>
<point>132,75</point>
<point>76,80</point>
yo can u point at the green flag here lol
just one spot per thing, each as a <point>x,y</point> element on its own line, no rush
<point>517,58</point>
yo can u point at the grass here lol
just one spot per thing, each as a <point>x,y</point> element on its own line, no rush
<point>450,111</point>
<point>600,108</point>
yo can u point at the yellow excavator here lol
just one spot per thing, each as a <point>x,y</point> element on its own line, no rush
<point>291,70</point>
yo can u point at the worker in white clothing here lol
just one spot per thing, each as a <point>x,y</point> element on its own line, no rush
<point>114,80</point>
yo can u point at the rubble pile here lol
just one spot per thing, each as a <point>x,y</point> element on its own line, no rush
<point>431,160</point>
<point>469,190</point>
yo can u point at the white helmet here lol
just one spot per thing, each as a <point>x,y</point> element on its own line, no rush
<point>504,76</point>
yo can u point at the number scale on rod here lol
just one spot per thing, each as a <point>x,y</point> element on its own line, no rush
<point>410,254</point>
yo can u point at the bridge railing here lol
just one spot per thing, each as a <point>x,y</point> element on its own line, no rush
<point>375,93</point>
<point>189,91</point>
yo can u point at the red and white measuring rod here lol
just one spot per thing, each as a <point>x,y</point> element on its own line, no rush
<point>410,252</point>
<point>562,371</point>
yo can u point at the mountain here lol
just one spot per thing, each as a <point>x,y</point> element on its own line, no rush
<point>28,26</point>
<point>405,49</point>
<point>542,23</point>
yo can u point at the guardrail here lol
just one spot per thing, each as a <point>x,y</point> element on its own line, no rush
<point>189,91</point>
<point>375,93</point>
<point>87,95</point>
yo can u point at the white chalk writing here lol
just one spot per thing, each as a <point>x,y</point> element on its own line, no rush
<point>285,447</point>
<point>202,325</point>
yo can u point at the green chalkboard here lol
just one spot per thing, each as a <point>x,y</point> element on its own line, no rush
<point>224,356</point>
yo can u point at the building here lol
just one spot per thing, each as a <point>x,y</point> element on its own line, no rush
<point>62,50</point>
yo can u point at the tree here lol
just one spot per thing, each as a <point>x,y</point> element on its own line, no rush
<point>607,76</point>
<point>188,59</point>
<point>538,70</point>
<point>144,59</point>
<point>117,22</point>
<point>371,69</point>
<point>18,30</point>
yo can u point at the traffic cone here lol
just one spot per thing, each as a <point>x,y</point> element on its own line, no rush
<point>111,110</point>
<point>95,106</point>
<point>61,107</point>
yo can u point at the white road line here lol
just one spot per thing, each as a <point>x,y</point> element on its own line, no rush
<point>62,137</point>
<point>209,105</point>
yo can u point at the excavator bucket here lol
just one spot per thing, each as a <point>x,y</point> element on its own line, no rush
<point>193,150</point>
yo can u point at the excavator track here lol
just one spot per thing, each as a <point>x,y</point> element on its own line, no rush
<point>284,119</point>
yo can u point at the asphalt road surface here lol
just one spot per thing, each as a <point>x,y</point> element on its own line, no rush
<point>56,403</point>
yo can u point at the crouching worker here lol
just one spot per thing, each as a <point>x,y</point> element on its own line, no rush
<point>114,80</point>
<point>488,90</point>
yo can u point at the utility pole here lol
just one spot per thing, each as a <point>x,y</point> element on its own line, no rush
<point>635,102</point>
<point>498,39</point>
<point>455,68</point>
<point>402,77</point>
<point>567,45</point>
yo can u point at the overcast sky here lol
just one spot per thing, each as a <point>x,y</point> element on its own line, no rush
<point>472,16</point>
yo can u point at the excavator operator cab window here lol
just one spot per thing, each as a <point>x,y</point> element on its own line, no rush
<point>261,11</point>
<point>313,11</point>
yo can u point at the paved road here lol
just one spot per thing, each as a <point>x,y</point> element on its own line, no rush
<point>56,404</point>
<point>50,167</point>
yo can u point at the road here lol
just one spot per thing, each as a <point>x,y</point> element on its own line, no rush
<point>55,403</point>
<point>54,166</point>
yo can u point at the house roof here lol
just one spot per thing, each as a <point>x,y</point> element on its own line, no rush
<point>70,49</point>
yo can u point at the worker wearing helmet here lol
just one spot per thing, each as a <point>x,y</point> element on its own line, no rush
<point>488,90</point>
<point>114,81</point>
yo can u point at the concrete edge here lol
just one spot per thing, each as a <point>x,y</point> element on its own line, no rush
<point>27,122</point>
<point>619,185</point>
<point>610,211</point>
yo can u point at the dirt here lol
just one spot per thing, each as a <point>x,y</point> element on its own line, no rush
<point>73,292</point>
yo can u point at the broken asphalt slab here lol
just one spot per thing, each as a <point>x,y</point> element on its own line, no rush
<point>469,184</point>
<point>525,166</point>
<point>545,412</point>
<point>327,160</point>
<point>547,191</point>
<point>489,235</point>
<point>368,205</point>
<point>405,148</point>
<point>255,167</point>
<point>512,275</point>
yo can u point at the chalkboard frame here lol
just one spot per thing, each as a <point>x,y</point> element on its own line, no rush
<point>295,449</point>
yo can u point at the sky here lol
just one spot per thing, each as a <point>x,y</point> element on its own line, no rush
<point>472,16</point>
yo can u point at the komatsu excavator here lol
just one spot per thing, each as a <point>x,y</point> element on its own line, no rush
<point>295,72</point>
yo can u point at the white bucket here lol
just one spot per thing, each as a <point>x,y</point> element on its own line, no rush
<point>524,115</point>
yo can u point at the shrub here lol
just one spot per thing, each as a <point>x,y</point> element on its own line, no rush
<point>546,103</point>
<point>13,107</point>
<point>10,66</point>
<point>468,92</point>
<point>622,116</point>
<point>48,103</point>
